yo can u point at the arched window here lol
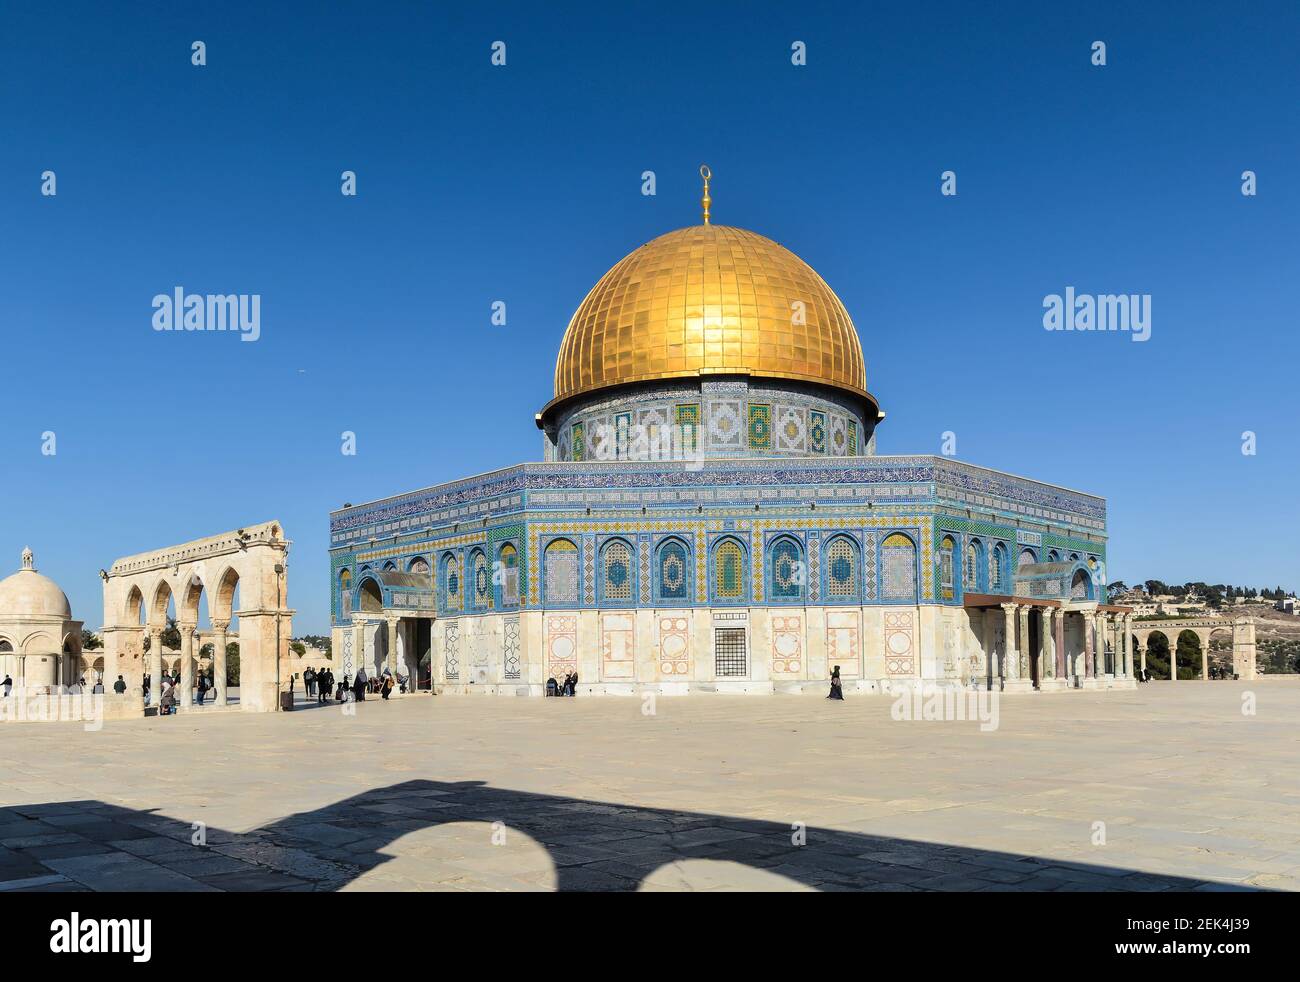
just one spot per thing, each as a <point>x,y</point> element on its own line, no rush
<point>898,564</point>
<point>450,583</point>
<point>971,571</point>
<point>998,575</point>
<point>842,569</point>
<point>947,561</point>
<point>419,566</point>
<point>616,572</point>
<point>1053,556</point>
<point>729,571</point>
<point>1026,558</point>
<point>674,566</point>
<point>508,558</point>
<point>390,566</point>
<point>345,594</point>
<point>1081,586</point>
<point>482,579</point>
<point>560,572</point>
<point>788,571</point>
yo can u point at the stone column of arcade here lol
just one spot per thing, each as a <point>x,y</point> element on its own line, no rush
<point>1026,668</point>
<point>1046,656</point>
<point>187,660</point>
<point>221,698</point>
<point>155,664</point>
<point>1205,657</point>
<point>390,656</point>
<point>1100,666</point>
<point>1142,652</point>
<point>1010,656</point>
<point>1126,625</point>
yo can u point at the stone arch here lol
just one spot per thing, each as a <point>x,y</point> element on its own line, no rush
<point>159,598</point>
<point>134,608</point>
<point>222,600</point>
<point>1082,586</point>
<point>1191,664</point>
<point>370,596</point>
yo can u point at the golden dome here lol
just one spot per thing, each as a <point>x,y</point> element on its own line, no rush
<point>709,300</point>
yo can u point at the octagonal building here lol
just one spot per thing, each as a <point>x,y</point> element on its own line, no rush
<point>710,515</point>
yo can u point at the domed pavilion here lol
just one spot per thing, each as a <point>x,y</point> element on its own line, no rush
<point>40,643</point>
<point>710,514</point>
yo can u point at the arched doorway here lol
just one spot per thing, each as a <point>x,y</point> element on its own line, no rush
<point>1188,654</point>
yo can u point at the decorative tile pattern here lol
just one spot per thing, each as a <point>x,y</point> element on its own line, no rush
<point>898,559</point>
<point>561,572</point>
<point>791,430</point>
<point>788,571</point>
<point>674,570</point>
<point>787,645</point>
<point>841,570</point>
<point>816,431</point>
<point>869,566</point>
<point>729,571</point>
<point>726,429</point>
<point>578,446</point>
<point>760,427</point>
<point>450,651</point>
<point>510,649</point>
<point>843,642</point>
<point>618,646</point>
<point>561,645</point>
<point>616,572</point>
<point>674,645</point>
<point>900,643</point>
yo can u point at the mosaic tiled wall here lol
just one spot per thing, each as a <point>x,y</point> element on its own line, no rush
<point>728,418</point>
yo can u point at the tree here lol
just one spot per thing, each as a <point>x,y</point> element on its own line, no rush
<point>298,648</point>
<point>89,641</point>
<point>171,635</point>
<point>232,663</point>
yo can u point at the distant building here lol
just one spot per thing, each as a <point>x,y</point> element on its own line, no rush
<point>1286,605</point>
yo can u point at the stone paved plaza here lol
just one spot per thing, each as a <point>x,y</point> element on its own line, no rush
<point>592,794</point>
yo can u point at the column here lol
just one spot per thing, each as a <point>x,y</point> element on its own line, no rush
<point>220,697</point>
<point>1100,665</point>
<point>1010,659</point>
<point>1205,658</point>
<point>1046,648</point>
<point>1126,625</point>
<point>1087,646</point>
<point>155,665</point>
<point>187,663</point>
<point>1026,669</point>
<point>391,655</point>
<point>1142,652</point>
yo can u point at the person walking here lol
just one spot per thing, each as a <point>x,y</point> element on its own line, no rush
<point>168,698</point>
<point>359,686</point>
<point>309,681</point>
<point>120,686</point>
<point>8,684</point>
<point>837,690</point>
<point>387,687</point>
<point>203,688</point>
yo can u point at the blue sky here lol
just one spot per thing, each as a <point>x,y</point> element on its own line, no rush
<point>479,183</point>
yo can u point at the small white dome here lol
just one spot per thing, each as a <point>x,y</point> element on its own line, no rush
<point>28,593</point>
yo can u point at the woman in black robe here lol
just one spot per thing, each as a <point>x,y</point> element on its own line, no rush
<point>837,691</point>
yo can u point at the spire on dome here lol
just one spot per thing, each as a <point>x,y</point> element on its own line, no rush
<point>706,200</point>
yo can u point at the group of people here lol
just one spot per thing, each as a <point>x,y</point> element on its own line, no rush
<point>568,688</point>
<point>169,689</point>
<point>323,686</point>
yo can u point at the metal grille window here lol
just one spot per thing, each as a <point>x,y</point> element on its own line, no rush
<point>729,652</point>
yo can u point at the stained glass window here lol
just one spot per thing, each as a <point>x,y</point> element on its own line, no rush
<point>674,571</point>
<point>947,548</point>
<point>451,583</point>
<point>898,560</point>
<point>842,568</point>
<point>787,570</point>
<point>509,560</point>
<point>482,580</point>
<point>971,568</point>
<point>616,571</point>
<point>561,572</point>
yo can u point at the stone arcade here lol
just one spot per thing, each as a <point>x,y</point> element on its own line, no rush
<point>776,546</point>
